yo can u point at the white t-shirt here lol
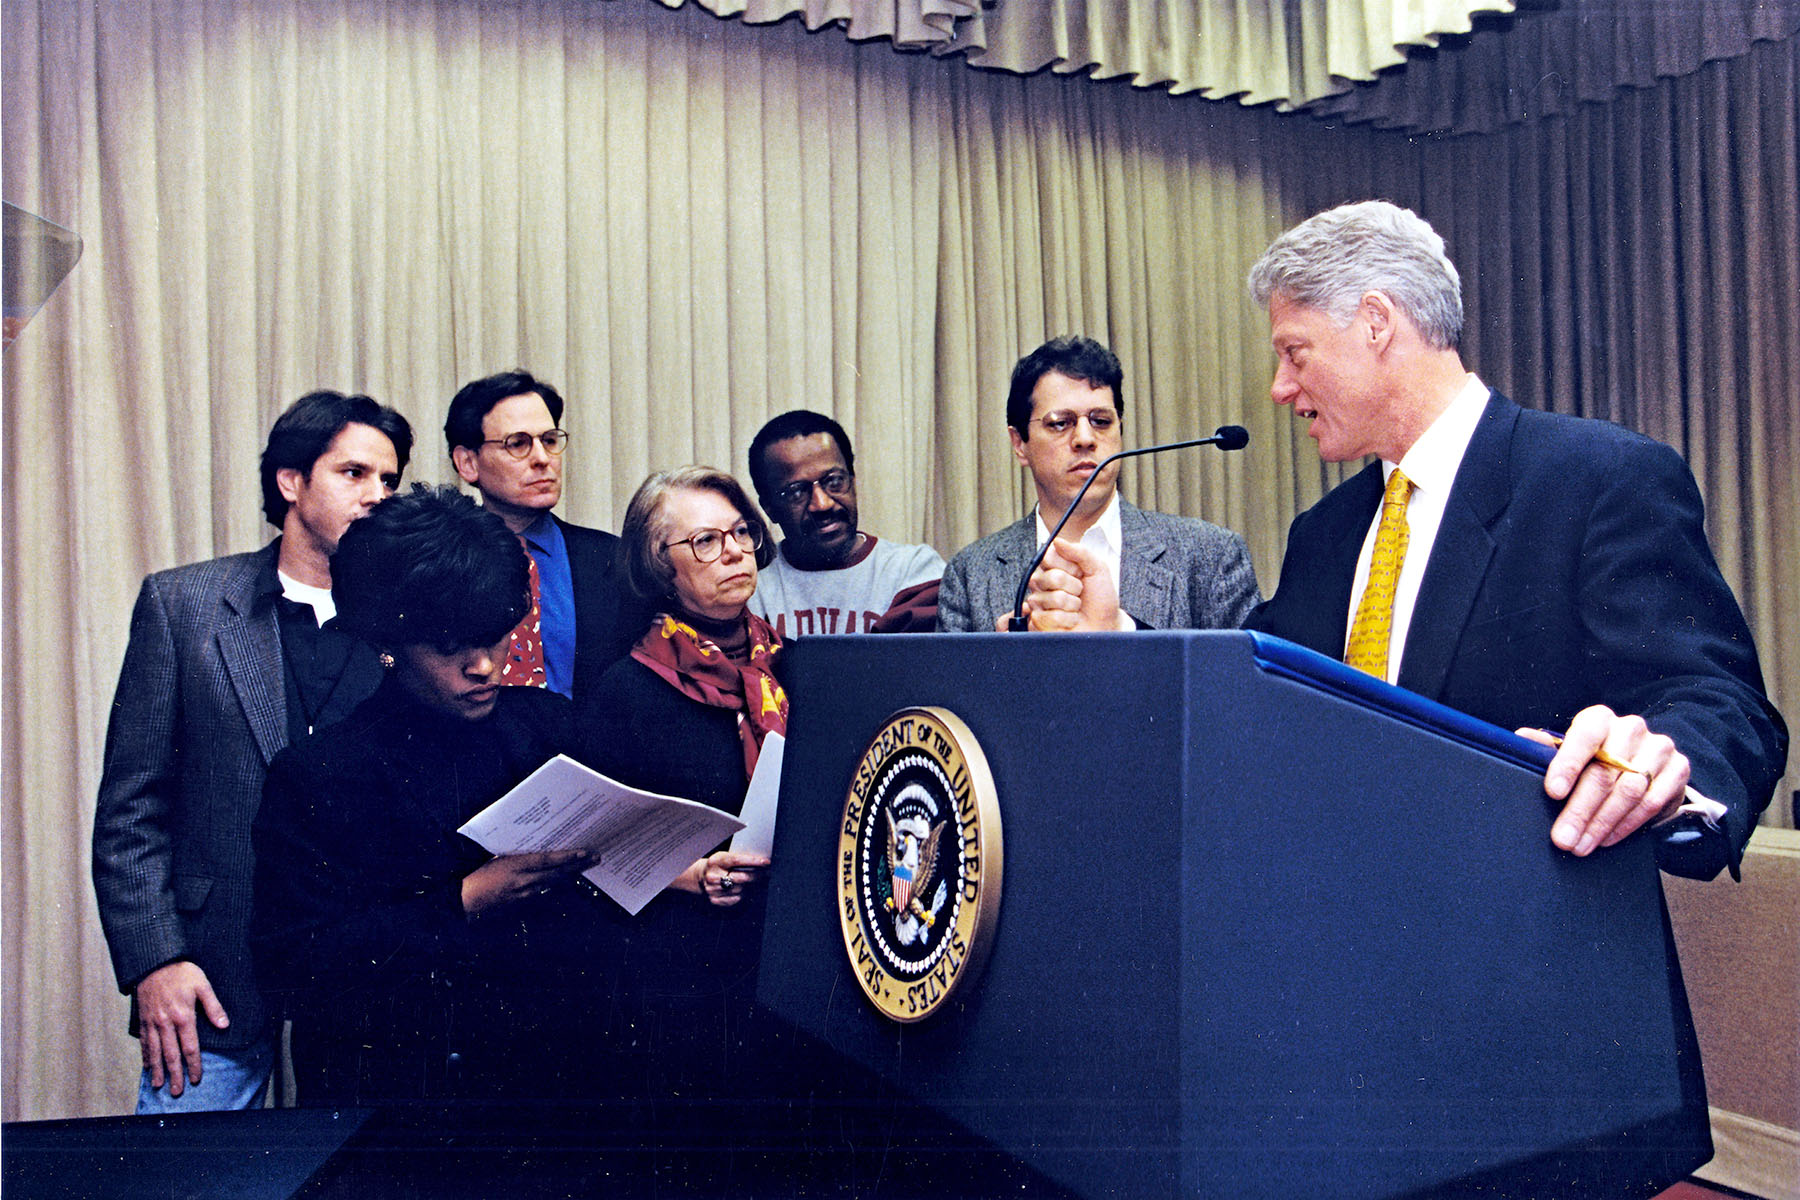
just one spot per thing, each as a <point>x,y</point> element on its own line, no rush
<point>841,599</point>
<point>317,598</point>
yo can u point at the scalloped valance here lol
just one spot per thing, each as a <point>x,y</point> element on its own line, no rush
<point>1456,66</point>
<point>1544,63</point>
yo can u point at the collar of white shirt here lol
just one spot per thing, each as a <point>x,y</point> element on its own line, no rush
<point>1432,462</point>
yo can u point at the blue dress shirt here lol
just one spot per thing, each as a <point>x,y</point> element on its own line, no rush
<point>556,602</point>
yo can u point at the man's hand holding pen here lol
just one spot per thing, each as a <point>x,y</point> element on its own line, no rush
<point>1614,777</point>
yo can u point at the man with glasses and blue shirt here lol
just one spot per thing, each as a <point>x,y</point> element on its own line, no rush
<point>1064,415</point>
<point>506,438</point>
<point>830,576</point>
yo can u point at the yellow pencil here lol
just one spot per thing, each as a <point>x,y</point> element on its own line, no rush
<point>1600,756</point>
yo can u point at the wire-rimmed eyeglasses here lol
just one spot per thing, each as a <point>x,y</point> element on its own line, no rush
<point>836,483</point>
<point>1062,423</point>
<point>519,444</point>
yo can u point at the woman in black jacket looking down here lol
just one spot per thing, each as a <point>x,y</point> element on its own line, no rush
<point>413,964</point>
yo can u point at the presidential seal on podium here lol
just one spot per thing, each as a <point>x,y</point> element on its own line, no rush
<point>919,859</point>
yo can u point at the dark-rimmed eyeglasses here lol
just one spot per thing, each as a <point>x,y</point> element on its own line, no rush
<point>708,544</point>
<point>1061,424</point>
<point>836,483</point>
<point>518,445</point>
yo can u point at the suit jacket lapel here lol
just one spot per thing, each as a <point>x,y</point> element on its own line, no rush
<point>1462,552</point>
<point>1020,542</point>
<point>1143,585</point>
<point>588,572</point>
<point>249,641</point>
<point>1317,614</point>
<point>1011,554</point>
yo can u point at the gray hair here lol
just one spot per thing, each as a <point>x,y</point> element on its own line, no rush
<point>646,527</point>
<point>1330,261</point>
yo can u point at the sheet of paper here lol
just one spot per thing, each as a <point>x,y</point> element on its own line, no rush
<point>758,834</point>
<point>645,840</point>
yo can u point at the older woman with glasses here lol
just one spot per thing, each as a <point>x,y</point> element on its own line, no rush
<point>686,714</point>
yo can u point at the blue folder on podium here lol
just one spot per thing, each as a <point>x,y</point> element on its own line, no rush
<point>1269,928</point>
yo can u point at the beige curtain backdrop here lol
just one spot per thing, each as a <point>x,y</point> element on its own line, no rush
<point>691,224</point>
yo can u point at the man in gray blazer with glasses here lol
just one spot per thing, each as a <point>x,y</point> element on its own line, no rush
<point>1063,413</point>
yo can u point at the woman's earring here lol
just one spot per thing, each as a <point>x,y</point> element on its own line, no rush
<point>387,661</point>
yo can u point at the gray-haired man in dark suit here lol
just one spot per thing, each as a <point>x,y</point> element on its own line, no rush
<point>1063,414</point>
<point>229,660</point>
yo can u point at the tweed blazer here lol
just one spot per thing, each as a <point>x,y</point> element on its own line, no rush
<point>1175,573</point>
<point>200,710</point>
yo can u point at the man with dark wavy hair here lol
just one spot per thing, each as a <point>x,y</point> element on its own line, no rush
<point>228,662</point>
<point>1065,414</point>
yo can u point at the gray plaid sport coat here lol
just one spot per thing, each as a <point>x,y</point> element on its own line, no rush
<point>200,710</point>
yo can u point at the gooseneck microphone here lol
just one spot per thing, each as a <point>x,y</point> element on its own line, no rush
<point>1226,437</point>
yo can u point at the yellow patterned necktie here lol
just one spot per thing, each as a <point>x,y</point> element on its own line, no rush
<point>1374,624</point>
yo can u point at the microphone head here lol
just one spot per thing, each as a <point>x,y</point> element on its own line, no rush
<point>1231,437</point>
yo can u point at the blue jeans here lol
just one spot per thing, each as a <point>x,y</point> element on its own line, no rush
<point>228,1079</point>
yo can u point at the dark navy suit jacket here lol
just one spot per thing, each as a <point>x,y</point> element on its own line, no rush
<point>609,618</point>
<point>1571,568</point>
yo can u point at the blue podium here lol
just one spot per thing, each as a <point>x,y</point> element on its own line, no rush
<point>1269,928</point>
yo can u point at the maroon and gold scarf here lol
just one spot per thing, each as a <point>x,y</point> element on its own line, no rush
<point>695,666</point>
